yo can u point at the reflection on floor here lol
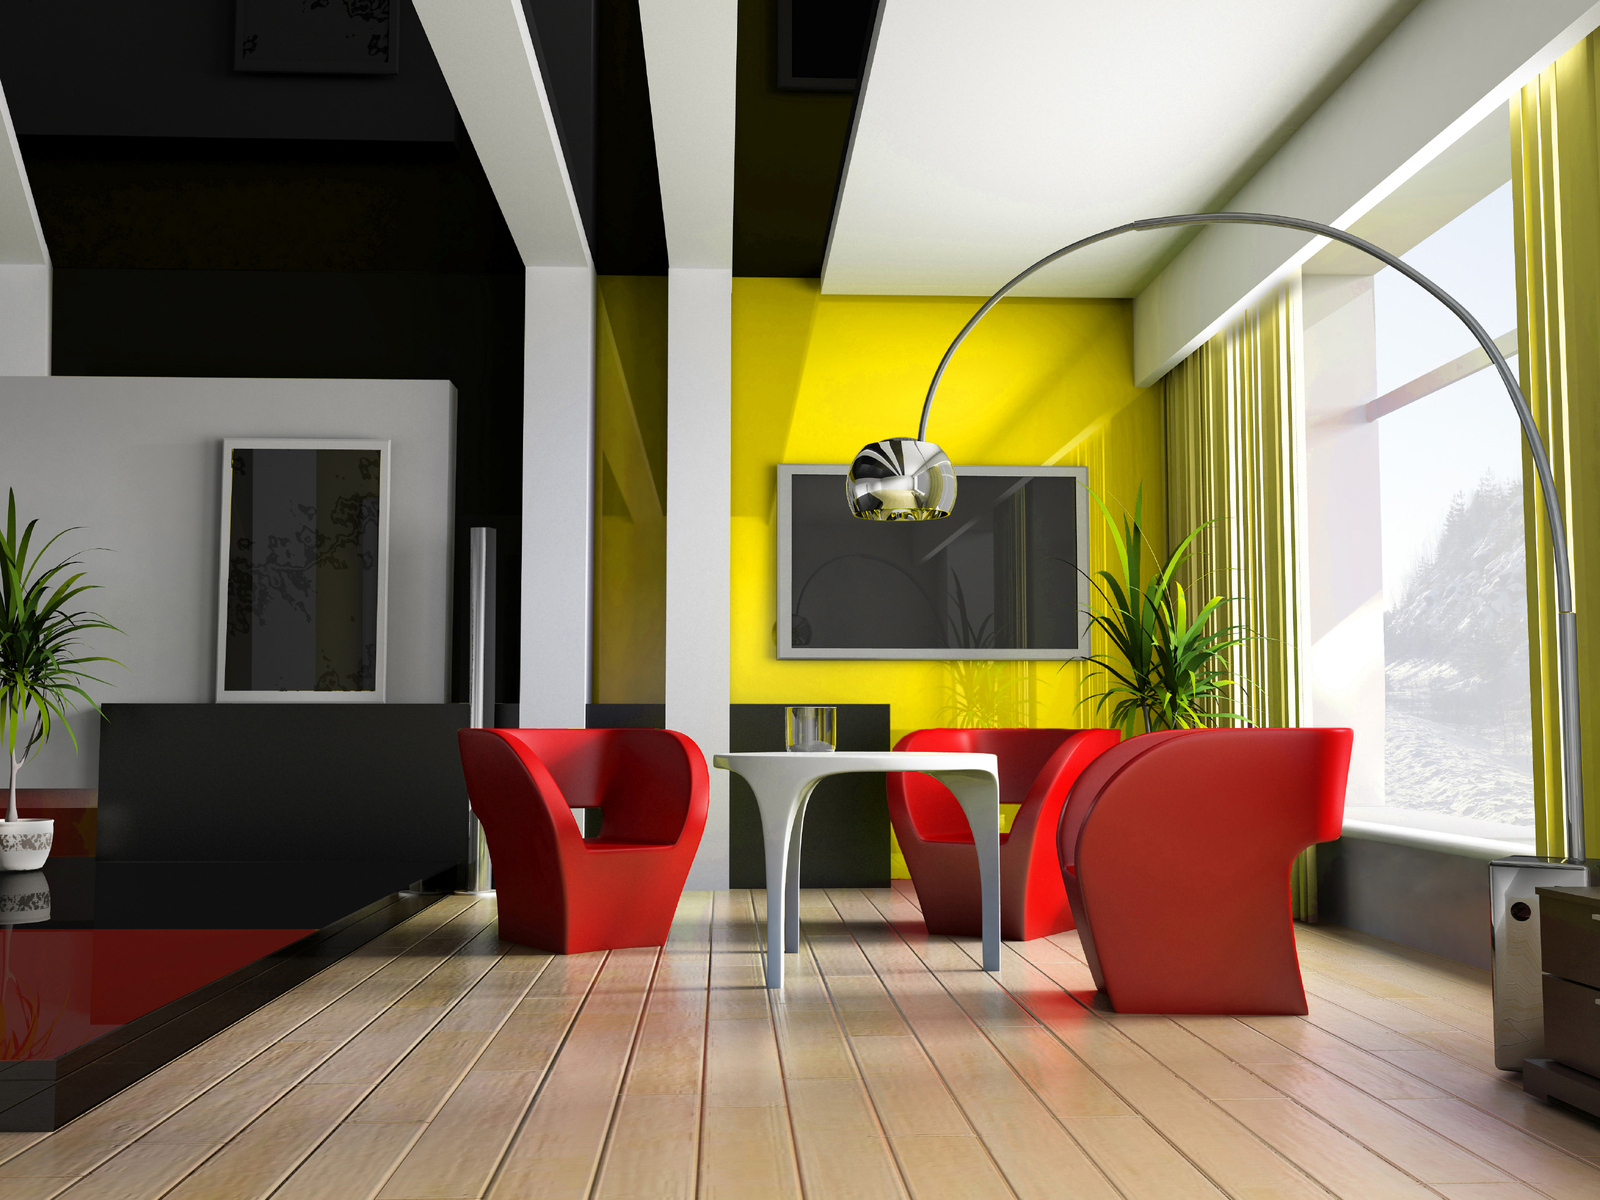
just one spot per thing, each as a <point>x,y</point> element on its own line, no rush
<point>109,970</point>
<point>438,1062</point>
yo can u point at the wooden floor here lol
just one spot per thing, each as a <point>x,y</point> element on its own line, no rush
<point>438,1062</point>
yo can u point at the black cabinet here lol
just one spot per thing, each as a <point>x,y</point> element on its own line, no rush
<point>1569,937</point>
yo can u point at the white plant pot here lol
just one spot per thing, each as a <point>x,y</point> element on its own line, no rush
<point>25,844</point>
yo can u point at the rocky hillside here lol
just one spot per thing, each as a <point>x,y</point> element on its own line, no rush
<point>1457,667</point>
<point>1456,641</point>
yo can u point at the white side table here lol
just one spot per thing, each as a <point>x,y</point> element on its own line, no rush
<point>783,781</point>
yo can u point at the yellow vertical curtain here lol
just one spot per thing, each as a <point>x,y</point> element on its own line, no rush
<point>1235,462</point>
<point>1555,179</point>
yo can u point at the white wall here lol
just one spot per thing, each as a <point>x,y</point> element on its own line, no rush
<point>1345,522</point>
<point>138,463</point>
<point>691,55</point>
<point>557,497</point>
<point>699,502</point>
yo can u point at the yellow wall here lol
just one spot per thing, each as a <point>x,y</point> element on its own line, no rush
<point>630,572</point>
<point>815,377</point>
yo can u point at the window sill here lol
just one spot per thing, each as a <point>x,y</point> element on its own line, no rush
<point>1441,834</point>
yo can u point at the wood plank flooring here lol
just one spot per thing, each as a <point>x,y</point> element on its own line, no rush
<point>438,1063</point>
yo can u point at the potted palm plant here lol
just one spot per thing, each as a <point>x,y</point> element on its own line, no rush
<point>42,669</point>
<point>1169,670</point>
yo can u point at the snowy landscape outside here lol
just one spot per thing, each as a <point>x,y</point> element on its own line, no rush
<point>1458,739</point>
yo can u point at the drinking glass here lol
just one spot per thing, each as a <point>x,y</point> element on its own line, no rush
<point>811,728</point>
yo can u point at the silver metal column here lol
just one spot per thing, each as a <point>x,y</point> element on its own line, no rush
<point>480,689</point>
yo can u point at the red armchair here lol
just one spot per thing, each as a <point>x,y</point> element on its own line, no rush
<point>1037,769</point>
<point>1175,850</point>
<point>562,892</point>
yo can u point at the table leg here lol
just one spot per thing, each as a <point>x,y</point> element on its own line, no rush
<point>778,827</point>
<point>979,797</point>
<point>791,894</point>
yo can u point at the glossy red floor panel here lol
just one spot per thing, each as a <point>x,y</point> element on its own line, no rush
<point>61,988</point>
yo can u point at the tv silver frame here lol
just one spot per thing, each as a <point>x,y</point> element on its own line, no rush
<point>786,474</point>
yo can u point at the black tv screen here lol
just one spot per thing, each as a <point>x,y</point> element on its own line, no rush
<point>1004,576</point>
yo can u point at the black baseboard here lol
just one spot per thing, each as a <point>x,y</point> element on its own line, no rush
<point>1547,1079</point>
<point>1425,899</point>
<point>845,841</point>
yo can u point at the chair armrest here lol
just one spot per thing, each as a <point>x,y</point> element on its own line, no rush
<point>655,789</point>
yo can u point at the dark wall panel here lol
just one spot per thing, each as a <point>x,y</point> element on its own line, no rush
<point>789,151</point>
<point>626,716</point>
<point>563,34</point>
<point>845,841</point>
<point>1438,903</point>
<point>164,68</point>
<point>281,782</point>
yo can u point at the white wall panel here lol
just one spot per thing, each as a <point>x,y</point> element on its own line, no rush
<point>137,464</point>
<point>699,500</point>
<point>557,496</point>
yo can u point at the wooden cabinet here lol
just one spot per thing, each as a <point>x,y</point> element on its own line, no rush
<point>1569,936</point>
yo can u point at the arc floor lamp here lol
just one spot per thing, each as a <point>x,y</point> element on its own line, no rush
<point>913,479</point>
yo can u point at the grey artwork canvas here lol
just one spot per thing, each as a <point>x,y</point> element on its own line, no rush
<point>302,608</point>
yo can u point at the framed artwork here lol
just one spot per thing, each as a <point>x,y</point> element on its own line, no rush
<point>1006,577</point>
<point>303,588</point>
<point>319,37</point>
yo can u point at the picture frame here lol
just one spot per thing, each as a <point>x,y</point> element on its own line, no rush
<point>816,536</point>
<point>353,37</point>
<point>303,571</point>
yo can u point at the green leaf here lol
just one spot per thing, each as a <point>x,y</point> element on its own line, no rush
<point>1168,664</point>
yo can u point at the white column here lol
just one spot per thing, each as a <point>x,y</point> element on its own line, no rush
<point>557,496</point>
<point>24,319</point>
<point>24,265</point>
<point>1345,523</point>
<point>699,374</point>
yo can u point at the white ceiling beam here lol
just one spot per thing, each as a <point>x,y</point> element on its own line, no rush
<point>21,238</point>
<point>486,53</point>
<point>24,265</point>
<point>1440,73</point>
<point>691,59</point>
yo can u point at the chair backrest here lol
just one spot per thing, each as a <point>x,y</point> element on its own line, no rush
<point>1241,793</point>
<point>648,782</point>
<point>1080,800</point>
<point>1021,755</point>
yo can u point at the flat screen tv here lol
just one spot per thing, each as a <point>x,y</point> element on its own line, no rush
<point>1005,576</point>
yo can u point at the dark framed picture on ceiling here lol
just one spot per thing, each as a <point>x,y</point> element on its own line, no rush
<point>303,593</point>
<point>316,37</point>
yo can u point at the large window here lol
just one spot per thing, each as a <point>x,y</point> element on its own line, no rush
<point>1457,741</point>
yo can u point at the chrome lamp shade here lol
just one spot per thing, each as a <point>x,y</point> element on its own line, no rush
<point>901,479</point>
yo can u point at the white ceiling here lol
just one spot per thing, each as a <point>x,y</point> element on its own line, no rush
<point>989,135</point>
<point>1437,194</point>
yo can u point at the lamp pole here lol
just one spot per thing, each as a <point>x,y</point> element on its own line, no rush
<point>906,479</point>
<point>1566,620</point>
